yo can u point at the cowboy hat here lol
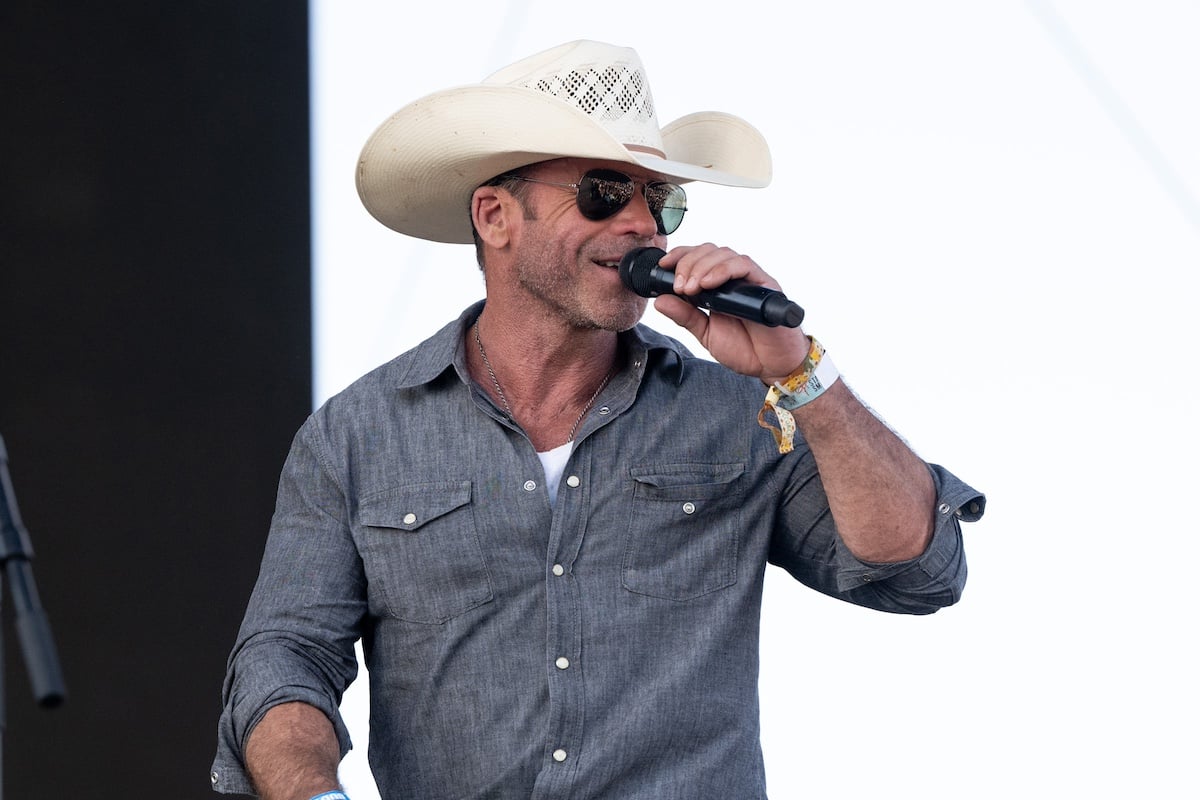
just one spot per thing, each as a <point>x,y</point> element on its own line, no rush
<point>583,99</point>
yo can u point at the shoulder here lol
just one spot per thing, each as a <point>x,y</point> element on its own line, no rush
<point>374,395</point>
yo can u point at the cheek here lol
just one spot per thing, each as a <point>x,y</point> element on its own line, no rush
<point>561,252</point>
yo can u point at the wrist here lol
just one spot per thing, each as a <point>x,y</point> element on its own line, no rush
<point>814,375</point>
<point>771,380</point>
<point>806,384</point>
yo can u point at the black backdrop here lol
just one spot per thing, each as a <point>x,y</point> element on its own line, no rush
<point>154,363</point>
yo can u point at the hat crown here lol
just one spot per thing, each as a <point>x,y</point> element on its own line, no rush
<point>606,82</point>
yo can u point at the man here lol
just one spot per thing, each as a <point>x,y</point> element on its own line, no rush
<point>548,524</point>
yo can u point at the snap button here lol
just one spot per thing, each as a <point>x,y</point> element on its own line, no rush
<point>560,755</point>
<point>558,570</point>
<point>410,518</point>
<point>689,508</point>
<point>530,486</point>
<point>604,411</point>
<point>562,662</point>
<point>214,777</point>
<point>573,481</point>
<point>944,508</point>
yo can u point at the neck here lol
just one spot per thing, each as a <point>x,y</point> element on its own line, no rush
<point>546,383</point>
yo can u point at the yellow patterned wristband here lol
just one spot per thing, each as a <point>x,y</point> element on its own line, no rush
<point>806,384</point>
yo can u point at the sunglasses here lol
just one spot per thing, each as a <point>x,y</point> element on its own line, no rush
<point>601,193</point>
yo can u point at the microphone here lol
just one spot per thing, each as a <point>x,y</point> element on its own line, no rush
<point>640,272</point>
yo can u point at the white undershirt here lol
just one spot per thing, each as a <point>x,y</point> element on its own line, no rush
<point>554,462</point>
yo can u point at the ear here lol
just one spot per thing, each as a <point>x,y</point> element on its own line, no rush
<point>492,212</point>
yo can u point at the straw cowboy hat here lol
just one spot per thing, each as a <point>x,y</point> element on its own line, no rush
<point>583,99</point>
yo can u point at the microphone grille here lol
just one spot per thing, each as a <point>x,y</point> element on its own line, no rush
<point>637,267</point>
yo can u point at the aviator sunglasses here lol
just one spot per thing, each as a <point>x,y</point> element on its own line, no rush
<point>601,193</point>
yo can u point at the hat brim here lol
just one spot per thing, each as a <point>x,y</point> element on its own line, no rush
<point>418,170</point>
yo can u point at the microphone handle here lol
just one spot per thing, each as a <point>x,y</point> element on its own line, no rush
<point>759,304</point>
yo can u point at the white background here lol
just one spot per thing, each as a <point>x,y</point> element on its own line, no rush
<point>989,212</point>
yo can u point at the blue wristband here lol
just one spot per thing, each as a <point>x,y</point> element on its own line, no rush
<point>338,795</point>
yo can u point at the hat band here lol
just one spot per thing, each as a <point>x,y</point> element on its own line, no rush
<point>637,148</point>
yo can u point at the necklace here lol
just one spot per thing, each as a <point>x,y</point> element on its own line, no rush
<point>504,400</point>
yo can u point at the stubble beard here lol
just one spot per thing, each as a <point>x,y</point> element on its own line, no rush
<point>565,294</point>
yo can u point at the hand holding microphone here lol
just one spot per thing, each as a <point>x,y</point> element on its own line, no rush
<point>640,272</point>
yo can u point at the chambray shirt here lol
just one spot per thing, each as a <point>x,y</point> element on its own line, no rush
<point>605,646</point>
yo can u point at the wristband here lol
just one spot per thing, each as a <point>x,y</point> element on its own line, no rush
<point>338,795</point>
<point>806,384</point>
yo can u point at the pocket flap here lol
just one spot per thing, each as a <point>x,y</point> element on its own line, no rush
<point>670,481</point>
<point>407,508</point>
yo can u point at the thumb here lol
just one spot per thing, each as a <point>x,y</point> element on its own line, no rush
<point>683,314</point>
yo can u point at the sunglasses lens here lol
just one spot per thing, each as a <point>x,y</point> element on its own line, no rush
<point>668,203</point>
<point>603,192</point>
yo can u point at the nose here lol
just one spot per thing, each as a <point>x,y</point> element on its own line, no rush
<point>635,217</point>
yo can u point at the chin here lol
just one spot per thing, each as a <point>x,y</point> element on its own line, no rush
<point>622,317</point>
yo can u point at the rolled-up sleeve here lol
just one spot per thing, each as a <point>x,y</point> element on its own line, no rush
<point>807,545</point>
<point>297,639</point>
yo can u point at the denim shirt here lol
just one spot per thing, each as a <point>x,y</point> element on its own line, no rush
<point>605,646</point>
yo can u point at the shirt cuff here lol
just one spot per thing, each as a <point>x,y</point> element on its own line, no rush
<point>246,705</point>
<point>936,577</point>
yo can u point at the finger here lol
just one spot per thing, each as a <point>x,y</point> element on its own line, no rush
<point>724,265</point>
<point>708,266</point>
<point>675,261</point>
<point>702,267</point>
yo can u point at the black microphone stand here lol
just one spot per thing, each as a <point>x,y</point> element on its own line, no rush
<point>33,627</point>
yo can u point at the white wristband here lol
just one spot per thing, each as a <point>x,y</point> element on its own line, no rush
<point>824,376</point>
<point>806,384</point>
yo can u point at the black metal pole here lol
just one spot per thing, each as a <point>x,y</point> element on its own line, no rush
<point>33,626</point>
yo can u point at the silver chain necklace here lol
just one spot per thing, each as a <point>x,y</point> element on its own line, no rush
<point>504,400</point>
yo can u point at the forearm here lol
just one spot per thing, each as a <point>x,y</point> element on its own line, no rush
<point>292,754</point>
<point>880,493</point>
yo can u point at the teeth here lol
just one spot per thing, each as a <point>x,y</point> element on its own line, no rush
<point>613,264</point>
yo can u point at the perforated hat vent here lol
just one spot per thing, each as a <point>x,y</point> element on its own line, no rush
<point>613,93</point>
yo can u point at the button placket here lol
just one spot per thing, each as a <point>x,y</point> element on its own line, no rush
<point>564,674</point>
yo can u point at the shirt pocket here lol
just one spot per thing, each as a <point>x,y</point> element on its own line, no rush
<point>421,552</point>
<point>684,526</point>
